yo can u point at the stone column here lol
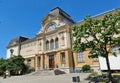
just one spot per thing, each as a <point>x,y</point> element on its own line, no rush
<point>42,62</point>
<point>36,62</point>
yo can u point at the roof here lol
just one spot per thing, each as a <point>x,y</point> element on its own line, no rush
<point>101,14</point>
<point>29,40</point>
<point>17,40</point>
<point>59,11</point>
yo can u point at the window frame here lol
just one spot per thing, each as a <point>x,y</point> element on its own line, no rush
<point>29,61</point>
<point>63,59</point>
<point>116,49</point>
<point>56,43</point>
<point>51,44</point>
<point>47,45</point>
<point>80,57</point>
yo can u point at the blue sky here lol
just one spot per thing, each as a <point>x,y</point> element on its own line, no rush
<point>23,17</point>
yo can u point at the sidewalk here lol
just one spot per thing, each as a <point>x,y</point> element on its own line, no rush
<point>65,78</point>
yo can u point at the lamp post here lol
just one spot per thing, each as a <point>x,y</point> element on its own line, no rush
<point>11,51</point>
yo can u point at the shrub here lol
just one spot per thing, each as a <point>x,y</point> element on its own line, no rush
<point>30,70</point>
<point>86,68</point>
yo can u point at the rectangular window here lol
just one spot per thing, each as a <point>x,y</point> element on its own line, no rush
<point>95,59</point>
<point>63,57</point>
<point>80,57</point>
<point>116,49</point>
<point>29,63</point>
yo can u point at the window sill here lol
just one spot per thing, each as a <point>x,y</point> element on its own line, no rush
<point>81,62</point>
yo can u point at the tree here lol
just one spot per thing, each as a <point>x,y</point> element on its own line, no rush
<point>100,35</point>
<point>2,65</point>
<point>16,64</point>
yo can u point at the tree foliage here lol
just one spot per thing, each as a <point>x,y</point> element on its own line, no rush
<point>2,65</point>
<point>14,65</point>
<point>100,35</point>
<point>97,34</point>
<point>86,68</point>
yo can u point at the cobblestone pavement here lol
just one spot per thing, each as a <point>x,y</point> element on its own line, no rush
<point>66,78</point>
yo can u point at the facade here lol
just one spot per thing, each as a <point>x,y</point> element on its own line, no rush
<point>52,46</point>
<point>99,63</point>
<point>13,47</point>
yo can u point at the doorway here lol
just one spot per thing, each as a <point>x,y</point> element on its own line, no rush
<point>39,59</point>
<point>51,62</point>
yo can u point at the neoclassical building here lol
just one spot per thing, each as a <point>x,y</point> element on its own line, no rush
<point>51,48</point>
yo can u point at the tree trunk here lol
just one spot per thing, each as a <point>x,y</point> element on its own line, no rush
<point>109,70</point>
<point>73,64</point>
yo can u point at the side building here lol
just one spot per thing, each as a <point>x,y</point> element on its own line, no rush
<point>98,64</point>
<point>14,46</point>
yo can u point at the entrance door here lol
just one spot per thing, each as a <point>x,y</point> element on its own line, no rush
<point>39,59</point>
<point>51,61</point>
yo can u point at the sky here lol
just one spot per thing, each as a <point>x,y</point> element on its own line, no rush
<point>23,17</point>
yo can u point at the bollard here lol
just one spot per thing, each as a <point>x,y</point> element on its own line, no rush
<point>4,76</point>
<point>76,79</point>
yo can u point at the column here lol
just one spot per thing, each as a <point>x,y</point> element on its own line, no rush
<point>36,62</point>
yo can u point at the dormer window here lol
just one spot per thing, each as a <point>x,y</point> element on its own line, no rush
<point>51,27</point>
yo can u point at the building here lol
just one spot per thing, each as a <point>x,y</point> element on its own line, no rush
<point>13,47</point>
<point>99,63</point>
<point>52,46</point>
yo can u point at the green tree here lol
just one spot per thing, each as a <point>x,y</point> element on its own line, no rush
<point>2,65</point>
<point>16,64</point>
<point>100,35</point>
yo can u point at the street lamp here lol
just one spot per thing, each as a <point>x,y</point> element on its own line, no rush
<point>11,51</point>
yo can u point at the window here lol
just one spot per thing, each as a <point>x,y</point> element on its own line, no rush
<point>40,46</point>
<point>51,27</point>
<point>116,49</point>
<point>95,59</point>
<point>62,40</point>
<point>80,57</point>
<point>39,58</point>
<point>63,57</point>
<point>56,43</point>
<point>29,62</point>
<point>47,45</point>
<point>52,44</point>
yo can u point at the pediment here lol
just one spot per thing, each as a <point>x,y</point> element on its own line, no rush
<point>47,19</point>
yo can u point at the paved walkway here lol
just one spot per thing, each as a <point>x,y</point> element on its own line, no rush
<point>66,78</point>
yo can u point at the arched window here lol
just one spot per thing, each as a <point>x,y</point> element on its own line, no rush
<point>47,45</point>
<point>51,26</point>
<point>52,44</point>
<point>62,40</point>
<point>40,45</point>
<point>56,43</point>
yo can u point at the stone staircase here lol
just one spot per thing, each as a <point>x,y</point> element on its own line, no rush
<point>47,72</point>
<point>43,73</point>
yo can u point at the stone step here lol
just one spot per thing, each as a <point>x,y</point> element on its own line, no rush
<point>43,73</point>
